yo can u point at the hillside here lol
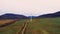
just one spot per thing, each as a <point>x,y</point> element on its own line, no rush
<point>51,15</point>
<point>12,16</point>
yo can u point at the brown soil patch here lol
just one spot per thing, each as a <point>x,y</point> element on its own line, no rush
<point>5,21</point>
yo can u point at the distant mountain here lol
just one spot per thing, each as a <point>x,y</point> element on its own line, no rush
<point>12,16</point>
<point>31,16</point>
<point>52,15</point>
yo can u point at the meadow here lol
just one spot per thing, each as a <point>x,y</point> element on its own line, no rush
<point>36,26</point>
<point>12,28</point>
<point>44,26</point>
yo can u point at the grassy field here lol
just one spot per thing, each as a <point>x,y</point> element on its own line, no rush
<point>36,26</point>
<point>13,28</point>
<point>44,26</point>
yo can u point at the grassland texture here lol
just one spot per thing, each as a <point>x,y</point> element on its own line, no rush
<point>44,26</point>
<point>36,26</point>
<point>13,28</point>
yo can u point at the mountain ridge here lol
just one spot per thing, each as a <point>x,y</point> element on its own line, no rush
<point>12,16</point>
<point>51,15</point>
<point>17,16</point>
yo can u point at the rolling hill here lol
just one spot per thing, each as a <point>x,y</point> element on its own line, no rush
<point>51,15</point>
<point>12,16</point>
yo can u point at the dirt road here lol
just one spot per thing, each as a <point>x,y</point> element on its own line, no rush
<point>22,30</point>
<point>24,27</point>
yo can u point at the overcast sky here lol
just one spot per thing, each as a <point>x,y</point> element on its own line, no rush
<point>29,7</point>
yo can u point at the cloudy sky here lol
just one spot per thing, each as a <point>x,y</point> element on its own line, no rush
<point>29,7</point>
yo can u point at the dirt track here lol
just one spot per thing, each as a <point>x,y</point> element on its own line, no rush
<point>23,29</point>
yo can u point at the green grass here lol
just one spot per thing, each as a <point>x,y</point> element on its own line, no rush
<point>13,28</point>
<point>37,26</point>
<point>50,25</point>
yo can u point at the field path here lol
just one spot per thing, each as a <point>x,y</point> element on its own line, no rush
<point>23,29</point>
